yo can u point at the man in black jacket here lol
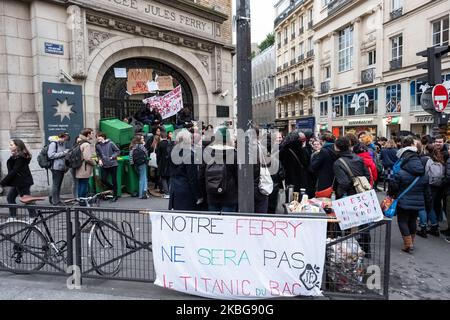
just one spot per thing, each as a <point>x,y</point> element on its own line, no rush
<point>446,233</point>
<point>343,182</point>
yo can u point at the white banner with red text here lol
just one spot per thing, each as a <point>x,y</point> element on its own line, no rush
<point>238,257</point>
<point>169,104</point>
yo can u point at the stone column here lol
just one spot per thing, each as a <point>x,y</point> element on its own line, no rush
<point>76,24</point>
<point>357,52</point>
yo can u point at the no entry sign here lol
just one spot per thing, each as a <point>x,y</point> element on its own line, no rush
<point>440,97</point>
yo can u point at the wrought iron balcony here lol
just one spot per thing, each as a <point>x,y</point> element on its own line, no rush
<point>293,61</point>
<point>286,114</point>
<point>301,58</point>
<point>325,87</point>
<point>287,12</point>
<point>292,36</point>
<point>396,13</point>
<point>308,83</point>
<point>286,65</point>
<point>279,69</point>
<point>396,64</point>
<point>289,88</point>
<point>310,54</point>
<point>367,76</point>
<point>310,25</point>
<point>336,5</point>
<point>286,41</point>
<point>293,113</point>
<point>302,30</point>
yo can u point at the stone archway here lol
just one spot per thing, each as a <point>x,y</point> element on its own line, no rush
<point>117,49</point>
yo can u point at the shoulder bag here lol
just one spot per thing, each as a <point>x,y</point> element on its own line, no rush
<point>391,211</point>
<point>361,183</point>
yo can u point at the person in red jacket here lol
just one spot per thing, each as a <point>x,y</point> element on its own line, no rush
<point>362,151</point>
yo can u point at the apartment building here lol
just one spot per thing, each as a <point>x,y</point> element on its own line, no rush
<point>366,64</point>
<point>263,87</point>
<point>295,54</point>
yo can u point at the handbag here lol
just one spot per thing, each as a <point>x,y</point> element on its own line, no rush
<point>153,161</point>
<point>391,211</point>
<point>327,193</point>
<point>265,185</point>
<point>361,183</point>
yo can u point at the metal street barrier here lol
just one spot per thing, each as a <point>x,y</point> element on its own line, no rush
<point>116,244</point>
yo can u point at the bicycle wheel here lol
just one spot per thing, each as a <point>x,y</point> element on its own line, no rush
<point>106,245</point>
<point>22,247</point>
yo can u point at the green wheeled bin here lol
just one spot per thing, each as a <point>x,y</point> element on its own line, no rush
<point>169,128</point>
<point>131,178</point>
<point>119,132</point>
<point>95,182</point>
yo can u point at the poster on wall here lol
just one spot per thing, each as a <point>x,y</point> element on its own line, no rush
<point>137,80</point>
<point>237,257</point>
<point>63,109</point>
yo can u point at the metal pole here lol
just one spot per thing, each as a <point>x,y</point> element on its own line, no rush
<point>244,101</point>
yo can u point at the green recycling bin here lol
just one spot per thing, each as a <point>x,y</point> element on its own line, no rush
<point>95,182</point>
<point>169,128</point>
<point>119,132</point>
<point>131,178</point>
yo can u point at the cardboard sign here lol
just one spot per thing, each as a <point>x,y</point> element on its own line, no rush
<point>237,257</point>
<point>358,210</point>
<point>137,80</point>
<point>165,83</point>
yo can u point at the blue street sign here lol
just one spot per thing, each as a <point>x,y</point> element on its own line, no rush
<point>54,48</point>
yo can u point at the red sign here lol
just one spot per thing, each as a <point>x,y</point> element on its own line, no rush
<point>440,97</point>
<point>389,120</point>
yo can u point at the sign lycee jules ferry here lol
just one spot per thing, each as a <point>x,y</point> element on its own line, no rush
<point>159,13</point>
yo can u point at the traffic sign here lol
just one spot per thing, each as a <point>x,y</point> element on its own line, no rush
<point>389,120</point>
<point>440,97</point>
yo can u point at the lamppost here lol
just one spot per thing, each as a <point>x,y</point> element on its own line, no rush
<point>244,102</point>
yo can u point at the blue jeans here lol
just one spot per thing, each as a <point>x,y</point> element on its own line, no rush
<point>142,173</point>
<point>425,217</point>
<point>219,208</point>
<point>83,185</point>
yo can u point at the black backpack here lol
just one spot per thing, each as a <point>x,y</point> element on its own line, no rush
<point>139,157</point>
<point>216,178</point>
<point>74,158</point>
<point>43,160</point>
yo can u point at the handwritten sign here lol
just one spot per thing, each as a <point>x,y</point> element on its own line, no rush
<point>169,104</point>
<point>358,210</point>
<point>238,257</point>
<point>137,80</point>
<point>165,83</point>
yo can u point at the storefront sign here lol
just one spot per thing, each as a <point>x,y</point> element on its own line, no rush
<point>237,257</point>
<point>53,48</point>
<point>360,122</point>
<point>153,11</point>
<point>63,109</point>
<point>358,210</point>
<point>424,119</point>
<point>138,79</point>
<point>307,123</point>
<point>393,120</point>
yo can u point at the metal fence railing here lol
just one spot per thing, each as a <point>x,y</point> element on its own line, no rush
<point>116,244</point>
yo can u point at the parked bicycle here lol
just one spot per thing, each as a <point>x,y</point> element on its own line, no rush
<point>25,246</point>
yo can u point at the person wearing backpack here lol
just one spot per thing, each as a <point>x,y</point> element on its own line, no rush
<point>185,191</point>
<point>409,173</point>
<point>347,165</point>
<point>163,150</point>
<point>138,159</point>
<point>86,170</point>
<point>19,176</point>
<point>107,153</point>
<point>322,166</point>
<point>57,151</point>
<point>435,169</point>
<point>221,176</point>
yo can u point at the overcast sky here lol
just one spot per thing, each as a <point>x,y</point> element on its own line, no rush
<point>263,15</point>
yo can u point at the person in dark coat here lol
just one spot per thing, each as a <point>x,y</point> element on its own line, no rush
<point>295,160</point>
<point>19,176</point>
<point>322,163</point>
<point>388,155</point>
<point>163,151</point>
<point>446,232</point>
<point>343,183</point>
<point>107,153</point>
<point>185,193</point>
<point>417,199</point>
<point>222,149</point>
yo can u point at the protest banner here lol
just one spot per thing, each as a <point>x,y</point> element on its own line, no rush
<point>238,257</point>
<point>165,83</point>
<point>171,103</point>
<point>358,210</point>
<point>138,79</point>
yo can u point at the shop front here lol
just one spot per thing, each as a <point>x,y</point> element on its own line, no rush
<point>422,124</point>
<point>393,126</point>
<point>358,126</point>
<point>282,126</point>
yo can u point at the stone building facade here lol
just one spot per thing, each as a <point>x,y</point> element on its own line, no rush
<point>80,42</point>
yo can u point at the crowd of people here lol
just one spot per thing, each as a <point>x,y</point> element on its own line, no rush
<point>415,170</point>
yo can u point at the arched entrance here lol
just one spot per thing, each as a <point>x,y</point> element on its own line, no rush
<point>116,102</point>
